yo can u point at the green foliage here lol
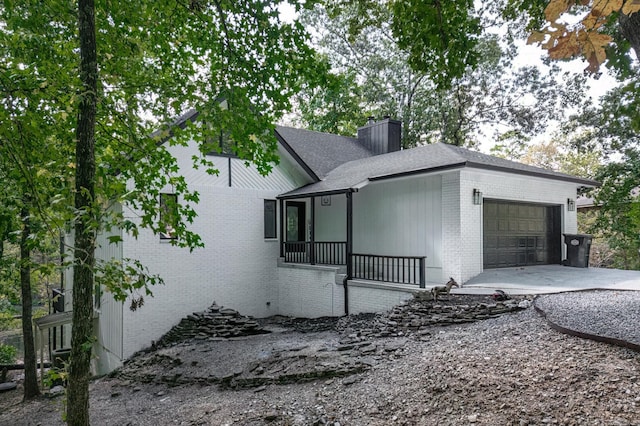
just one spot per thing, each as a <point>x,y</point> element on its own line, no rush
<point>613,125</point>
<point>8,322</point>
<point>444,44</point>
<point>55,375</point>
<point>335,106</point>
<point>373,77</point>
<point>618,219</point>
<point>558,154</point>
<point>237,63</point>
<point>7,313</point>
<point>7,354</point>
<point>126,278</point>
<point>528,14</point>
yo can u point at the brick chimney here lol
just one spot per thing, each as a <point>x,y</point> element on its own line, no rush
<point>381,137</point>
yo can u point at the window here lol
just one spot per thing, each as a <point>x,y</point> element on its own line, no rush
<point>270,227</point>
<point>221,145</point>
<point>227,146</point>
<point>168,214</point>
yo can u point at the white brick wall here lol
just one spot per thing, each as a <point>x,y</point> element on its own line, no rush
<point>237,268</point>
<point>503,186</point>
<point>366,298</point>
<point>309,291</point>
<point>451,223</point>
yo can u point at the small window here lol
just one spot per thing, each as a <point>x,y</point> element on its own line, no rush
<point>222,145</point>
<point>168,213</point>
<point>227,146</point>
<point>270,228</point>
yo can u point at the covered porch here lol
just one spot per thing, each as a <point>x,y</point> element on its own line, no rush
<point>318,229</point>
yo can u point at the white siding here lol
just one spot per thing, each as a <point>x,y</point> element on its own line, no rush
<point>401,217</point>
<point>366,298</point>
<point>108,328</point>
<point>107,350</point>
<point>451,212</point>
<point>331,221</point>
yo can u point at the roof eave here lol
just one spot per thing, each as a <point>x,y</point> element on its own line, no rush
<point>566,178</point>
<point>419,171</point>
<point>181,122</point>
<point>316,194</point>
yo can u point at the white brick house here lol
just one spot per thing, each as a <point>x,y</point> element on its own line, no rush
<point>340,225</point>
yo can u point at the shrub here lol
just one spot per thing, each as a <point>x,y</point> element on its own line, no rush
<point>8,322</point>
<point>7,354</point>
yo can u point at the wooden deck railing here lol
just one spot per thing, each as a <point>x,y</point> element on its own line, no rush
<point>392,269</point>
<point>318,253</point>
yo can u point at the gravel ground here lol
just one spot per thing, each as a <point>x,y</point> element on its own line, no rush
<point>605,313</point>
<point>510,370</point>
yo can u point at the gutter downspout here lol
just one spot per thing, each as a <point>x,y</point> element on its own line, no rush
<point>349,250</point>
<point>346,294</point>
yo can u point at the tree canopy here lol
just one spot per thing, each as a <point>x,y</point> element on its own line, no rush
<point>85,85</point>
<point>373,76</point>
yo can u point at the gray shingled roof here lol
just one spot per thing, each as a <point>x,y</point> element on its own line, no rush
<point>320,152</point>
<point>181,122</point>
<point>422,159</point>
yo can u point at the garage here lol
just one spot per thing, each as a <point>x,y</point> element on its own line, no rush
<point>520,234</point>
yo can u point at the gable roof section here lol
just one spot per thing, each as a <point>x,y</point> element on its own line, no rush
<point>430,158</point>
<point>181,122</point>
<point>320,153</point>
<point>317,153</point>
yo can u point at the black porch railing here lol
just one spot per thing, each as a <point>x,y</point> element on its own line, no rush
<point>318,253</point>
<point>392,269</point>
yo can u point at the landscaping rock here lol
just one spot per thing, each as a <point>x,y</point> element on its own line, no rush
<point>215,322</point>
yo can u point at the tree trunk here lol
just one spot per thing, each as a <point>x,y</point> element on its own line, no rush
<point>31,388</point>
<point>630,29</point>
<point>85,228</point>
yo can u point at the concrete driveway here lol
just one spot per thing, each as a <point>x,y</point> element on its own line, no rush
<point>550,279</point>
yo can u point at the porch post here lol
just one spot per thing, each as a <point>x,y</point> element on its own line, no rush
<point>312,233</point>
<point>349,235</point>
<point>282,214</point>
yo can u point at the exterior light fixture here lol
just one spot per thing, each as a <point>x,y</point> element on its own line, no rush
<point>571,205</point>
<point>477,197</point>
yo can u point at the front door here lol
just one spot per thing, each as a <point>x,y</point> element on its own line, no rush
<point>296,219</point>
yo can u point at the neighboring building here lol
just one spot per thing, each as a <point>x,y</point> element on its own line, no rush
<point>585,204</point>
<point>340,219</point>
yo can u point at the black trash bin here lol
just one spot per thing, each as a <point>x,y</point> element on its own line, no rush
<point>578,249</point>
